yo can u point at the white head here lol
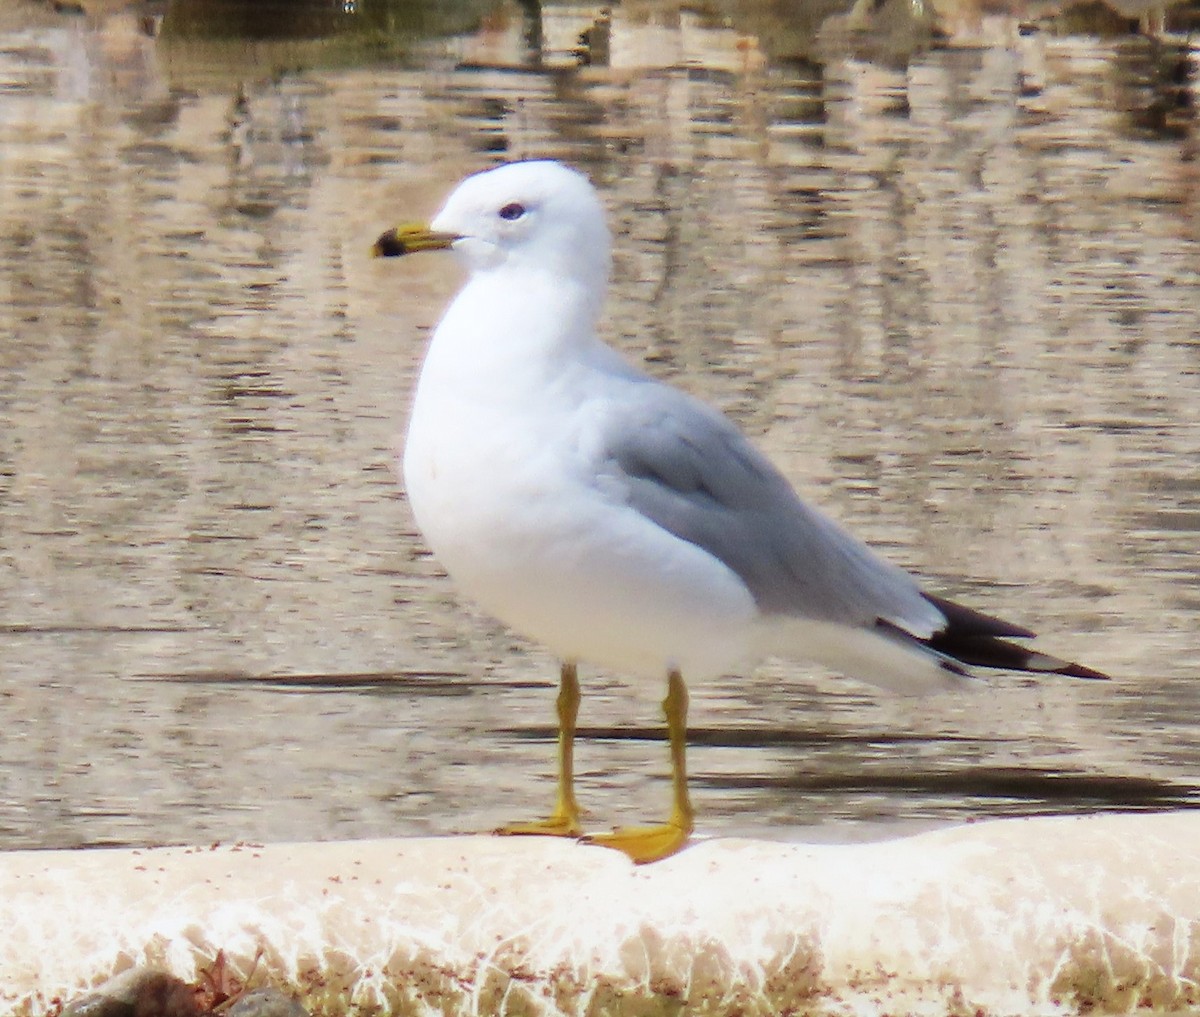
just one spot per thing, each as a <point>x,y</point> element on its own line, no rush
<point>538,215</point>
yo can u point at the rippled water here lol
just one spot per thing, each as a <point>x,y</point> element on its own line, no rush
<point>954,292</point>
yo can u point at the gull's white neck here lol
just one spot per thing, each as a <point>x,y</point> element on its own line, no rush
<point>507,325</point>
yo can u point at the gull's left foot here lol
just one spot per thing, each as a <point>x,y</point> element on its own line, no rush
<point>643,844</point>
<point>651,843</point>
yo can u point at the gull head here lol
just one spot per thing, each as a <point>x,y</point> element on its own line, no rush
<point>531,216</point>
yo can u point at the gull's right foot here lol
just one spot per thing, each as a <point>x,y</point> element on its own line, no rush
<point>553,826</point>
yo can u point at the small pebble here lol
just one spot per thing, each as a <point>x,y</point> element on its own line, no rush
<point>266,1002</point>
<point>139,992</point>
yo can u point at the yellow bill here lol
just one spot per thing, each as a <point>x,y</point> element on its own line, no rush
<point>410,239</point>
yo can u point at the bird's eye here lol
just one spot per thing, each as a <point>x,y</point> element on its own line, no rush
<point>512,211</point>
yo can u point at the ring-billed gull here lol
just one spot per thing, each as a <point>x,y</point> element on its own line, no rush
<point>618,520</point>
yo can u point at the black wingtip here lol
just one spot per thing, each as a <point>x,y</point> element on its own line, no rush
<point>975,623</point>
<point>973,638</point>
<point>1073,670</point>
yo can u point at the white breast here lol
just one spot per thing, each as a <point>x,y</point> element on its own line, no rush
<point>502,481</point>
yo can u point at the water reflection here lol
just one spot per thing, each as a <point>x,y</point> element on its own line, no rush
<point>952,291</point>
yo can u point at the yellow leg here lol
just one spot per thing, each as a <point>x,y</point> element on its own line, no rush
<point>650,843</point>
<point>563,821</point>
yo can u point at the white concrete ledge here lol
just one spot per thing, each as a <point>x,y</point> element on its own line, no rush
<point>1041,916</point>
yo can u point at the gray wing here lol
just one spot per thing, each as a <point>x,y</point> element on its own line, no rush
<point>687,468</point>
